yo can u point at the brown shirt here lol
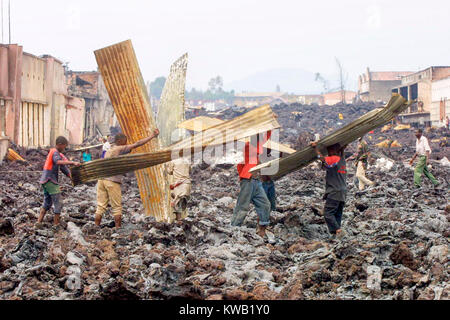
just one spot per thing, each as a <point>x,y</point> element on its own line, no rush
<point>115,152</point>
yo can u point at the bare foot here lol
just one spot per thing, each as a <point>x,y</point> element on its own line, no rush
<point>41,216</point>
<point>261,231</point>
<point>56,219</point>
<point>98,220</point>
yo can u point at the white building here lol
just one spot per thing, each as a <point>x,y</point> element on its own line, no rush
<point>440,102</point>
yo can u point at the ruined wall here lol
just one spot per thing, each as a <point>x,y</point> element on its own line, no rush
<point>10,90</point>
<point>425,94</point>
<point>35,109</point>
<point>381,90</point>
<point>75,120</point>
<point>99,110</point>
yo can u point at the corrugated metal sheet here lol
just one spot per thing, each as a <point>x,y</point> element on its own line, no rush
<point>171,108</point>
<point>344,136</point>
<point>123,80</point>
<point>204,123</point>
<point>254,122</point>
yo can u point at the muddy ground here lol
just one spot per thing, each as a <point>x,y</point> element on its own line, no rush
<point>396,243</point>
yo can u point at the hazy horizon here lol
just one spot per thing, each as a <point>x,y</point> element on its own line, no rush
<point>238,39</point>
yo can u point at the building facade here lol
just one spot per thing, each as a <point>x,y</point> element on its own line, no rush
<point>418,87</point>
<point>333,98</point>
<point>377,86</point>
<point>440,102</point>
<point>36,107</point>
<point>99,112</point>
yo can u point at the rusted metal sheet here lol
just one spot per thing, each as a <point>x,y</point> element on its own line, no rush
<point>344,136</point>
<point>123,80</point>
<point>14,156</point>
<point>171,108</point>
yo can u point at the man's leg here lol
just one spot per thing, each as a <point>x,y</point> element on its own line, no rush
<point>272,196</point>
<point>46,206</point>
<point>419,171</point>
<point>262,207</point>
<point>102,202</point>
<point>243,203</point>
<point>339,214</point>
<point>361,175</point>
<point>331,209</point>
<point>430,176</point>
<point>115,200</point>
<point>57,208</point>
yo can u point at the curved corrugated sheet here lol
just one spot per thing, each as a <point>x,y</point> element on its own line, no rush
<point>344,136</point>
<point>171,108</point>
<point>123,80</point>
<point>254,122</point>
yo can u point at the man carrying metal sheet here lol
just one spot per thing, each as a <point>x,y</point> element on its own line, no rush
<point>109,189</point>
<point>251,186</point>
<point>336,186</point>
<point>423,151</point>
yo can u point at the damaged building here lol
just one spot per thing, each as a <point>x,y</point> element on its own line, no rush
<point>376,86</point>
<point>99,116</point>
<point>420,86</point>
<point>36,107</point>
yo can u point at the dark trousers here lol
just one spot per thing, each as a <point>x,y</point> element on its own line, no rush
<point>269,188</point>
<point>333,214</point>
<point>52,200</point>
<point>251,192</point>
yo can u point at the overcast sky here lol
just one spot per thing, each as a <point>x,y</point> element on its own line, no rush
<point>236,38</point>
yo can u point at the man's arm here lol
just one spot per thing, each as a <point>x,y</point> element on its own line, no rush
<point>68,163</point>
<point>413,159</point>
<point>320,156</point>
<point>142,142</point>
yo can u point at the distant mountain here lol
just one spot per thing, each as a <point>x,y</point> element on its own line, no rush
<point>290,80</point>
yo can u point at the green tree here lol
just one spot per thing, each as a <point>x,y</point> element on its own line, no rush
<point>157,86</point>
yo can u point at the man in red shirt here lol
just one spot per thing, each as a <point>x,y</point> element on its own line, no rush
<point>252,190</point>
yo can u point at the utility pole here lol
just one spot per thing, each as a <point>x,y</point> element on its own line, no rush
<point>2,20</point>
<point>342,80</point>
<point>9,19</point>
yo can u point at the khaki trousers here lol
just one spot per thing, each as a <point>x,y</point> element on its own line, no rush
<point>361,175</point>
<point>109,192</point>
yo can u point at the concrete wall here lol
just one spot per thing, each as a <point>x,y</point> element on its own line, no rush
<point>99,112</point>
<point>10,89</point>
<point>440,92</point>
<point>382,90</point>
<point>74,122</point>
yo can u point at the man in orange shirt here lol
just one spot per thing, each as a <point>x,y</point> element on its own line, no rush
<point>252,190</point>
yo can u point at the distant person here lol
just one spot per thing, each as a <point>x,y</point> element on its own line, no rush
<point>180,170</point>
<point>87,156</point>
<point>447,123</point>
<point>423,151</point>
<point>109,189</point>
<point>106,146</point>
<point>362,158</point>
<point>336,187</point>
<point>50,180</point>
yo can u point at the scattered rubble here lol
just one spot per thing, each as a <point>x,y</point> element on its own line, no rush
<point>396,245</point>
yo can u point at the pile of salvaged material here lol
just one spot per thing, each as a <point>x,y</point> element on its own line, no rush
<point>14,156</point>
<point>344,136</point>
<point>254,122</point>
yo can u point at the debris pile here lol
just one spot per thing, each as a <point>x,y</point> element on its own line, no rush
<point>395,247</point>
